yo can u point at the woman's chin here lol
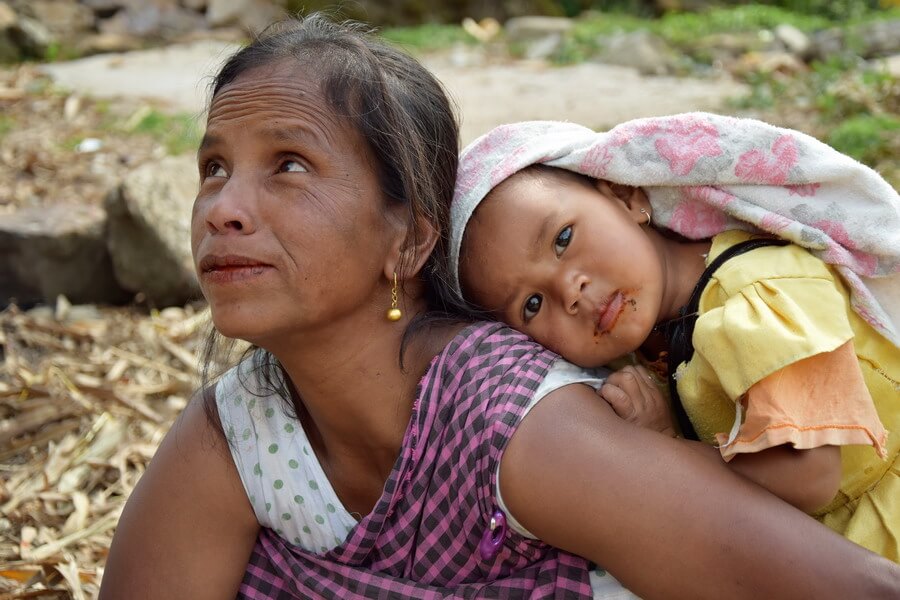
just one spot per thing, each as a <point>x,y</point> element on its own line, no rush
<point>236,326</point>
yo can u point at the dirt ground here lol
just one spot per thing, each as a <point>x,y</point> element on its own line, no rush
<point>489,90</point>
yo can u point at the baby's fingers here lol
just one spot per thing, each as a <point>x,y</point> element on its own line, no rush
<point>617,399</point>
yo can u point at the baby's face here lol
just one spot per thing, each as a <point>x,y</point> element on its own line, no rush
<point>567,263</point>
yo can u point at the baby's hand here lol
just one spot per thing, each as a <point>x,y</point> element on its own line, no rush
<point>633,395</point>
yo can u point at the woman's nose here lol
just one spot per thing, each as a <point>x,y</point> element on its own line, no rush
<point>231,210</point>
<point>573,287</point>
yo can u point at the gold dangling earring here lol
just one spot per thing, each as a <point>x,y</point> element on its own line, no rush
<point>649,218</point>
<point>393,313</point>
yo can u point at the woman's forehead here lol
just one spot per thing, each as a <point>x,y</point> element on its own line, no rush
<point>279,97</point>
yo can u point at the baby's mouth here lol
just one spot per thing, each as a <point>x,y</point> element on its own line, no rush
<point>609,313</point>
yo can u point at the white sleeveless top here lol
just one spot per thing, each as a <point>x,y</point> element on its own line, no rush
<point>286,485</point>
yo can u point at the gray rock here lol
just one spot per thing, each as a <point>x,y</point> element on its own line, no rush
<point>794,40</point>
<point>58,249</point>
<point>530,28</point>
<point>156,18</point>
<point>537,37</point>
<point>106,6</point>
<point>64,18</point>
<point>197,5</point>
<point>9,49</point>
<point>7,16</point>
<point>31,38</point>
<point>892,65</point>
<point>252,15</point>
<point>149,231</point>
<point>21,36</point>
<point>868,40</point>
<point>640,50</point>
<point>108,42</point>
<point>727,46</point>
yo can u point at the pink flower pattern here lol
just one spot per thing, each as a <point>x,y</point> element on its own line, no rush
<point>697,220</point>
<point>764,166</point>
<point>804,190</point>
<point>687,141</point>
<point>774,223</point>
<point>596,161</point>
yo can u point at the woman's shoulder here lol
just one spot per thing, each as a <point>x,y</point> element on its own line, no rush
<point>485,343</point>
<point>486,364</point>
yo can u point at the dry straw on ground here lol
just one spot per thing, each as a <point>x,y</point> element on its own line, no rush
<point>86,395</point>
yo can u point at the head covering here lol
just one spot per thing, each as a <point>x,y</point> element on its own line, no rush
<point>705,174</point>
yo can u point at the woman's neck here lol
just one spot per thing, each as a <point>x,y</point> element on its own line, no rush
<point>355,401</point>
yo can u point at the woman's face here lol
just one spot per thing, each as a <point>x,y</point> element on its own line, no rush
<point>567,264</point>
<point>289,229</point>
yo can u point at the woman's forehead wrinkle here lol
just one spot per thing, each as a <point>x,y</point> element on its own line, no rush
<point>286,118</point>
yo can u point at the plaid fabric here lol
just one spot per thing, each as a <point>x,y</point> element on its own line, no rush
<point>421,540</point>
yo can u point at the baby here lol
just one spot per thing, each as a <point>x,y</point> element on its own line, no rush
<point>773,363</point>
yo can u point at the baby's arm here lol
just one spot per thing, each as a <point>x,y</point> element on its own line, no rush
<point>807,479</point>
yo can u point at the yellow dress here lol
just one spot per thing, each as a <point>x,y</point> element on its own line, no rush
<point>768,309</point>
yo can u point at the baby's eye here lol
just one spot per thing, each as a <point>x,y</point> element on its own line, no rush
<point>214,169</point>
<point>532,306</point>
<point>292,166</point>
<point>563,239</point>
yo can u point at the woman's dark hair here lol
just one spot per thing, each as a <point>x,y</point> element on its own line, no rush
<point>397,107</point>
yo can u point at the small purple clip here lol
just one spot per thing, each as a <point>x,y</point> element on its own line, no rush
<point>492,539</point>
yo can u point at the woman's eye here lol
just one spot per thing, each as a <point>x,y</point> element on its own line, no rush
<point>532,306</point>
<point>292,166</point>
<point>214,169</point>
<point>563,239</point>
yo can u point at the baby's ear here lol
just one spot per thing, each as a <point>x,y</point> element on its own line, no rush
<point>626,193</point>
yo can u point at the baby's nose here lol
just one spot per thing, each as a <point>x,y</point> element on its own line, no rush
<point>574,293</point>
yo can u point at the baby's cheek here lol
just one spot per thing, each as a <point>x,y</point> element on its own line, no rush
<point>555,340</point>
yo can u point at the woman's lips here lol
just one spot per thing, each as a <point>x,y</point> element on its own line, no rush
<point>231,268</point>
<point>610,313</point>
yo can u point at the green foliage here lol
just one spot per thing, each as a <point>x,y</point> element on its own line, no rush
<point>58,52</point>
<point>685,28</point>
<point>179,133</point>
<point>7,124</point>
<point>852,106</point>
<point>427,37</point>
<point>868,138</point>
<point>682,30</point>
<point>840,10</point>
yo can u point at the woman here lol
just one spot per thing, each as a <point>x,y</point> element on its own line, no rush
<point>326,175</point>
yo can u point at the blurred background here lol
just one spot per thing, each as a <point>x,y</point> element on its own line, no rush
<point>101,108</point>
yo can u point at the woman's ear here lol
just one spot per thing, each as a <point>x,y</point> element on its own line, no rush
<point>410,253</point>
<point>633,198</point>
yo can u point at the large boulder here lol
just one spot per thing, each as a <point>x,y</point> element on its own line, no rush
<point>164,19</point>
<point>64,18</point>
<point>58,249</point>
<point>640,50</point>
<point>252,15</point>
<point>21,36</point>
<point>150,231</point>
<point>537,37</point>
<point>868,40</point>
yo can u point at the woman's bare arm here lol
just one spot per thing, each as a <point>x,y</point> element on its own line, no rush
<point>188,528</point>
<point>666,520</point>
